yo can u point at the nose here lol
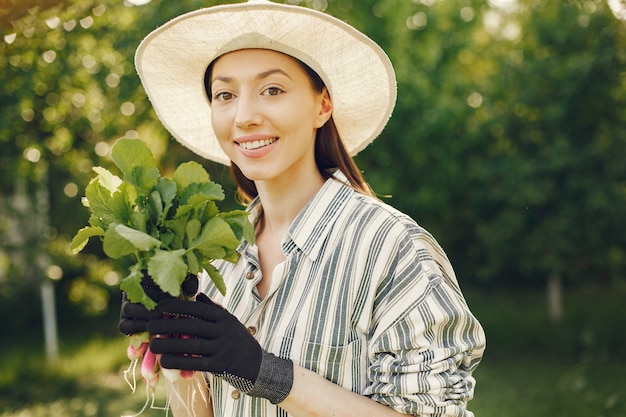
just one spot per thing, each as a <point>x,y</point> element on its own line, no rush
<point>247,112</point>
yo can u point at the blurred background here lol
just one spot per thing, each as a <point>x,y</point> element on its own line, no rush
<point>508,143</point>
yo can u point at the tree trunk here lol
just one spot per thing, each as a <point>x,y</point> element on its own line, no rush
<point>555,298</point>
<point>49,320</point>
<point>42,211</point>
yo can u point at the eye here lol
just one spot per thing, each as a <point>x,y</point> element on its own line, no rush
<point>223,96</point>
<point>273,91</point>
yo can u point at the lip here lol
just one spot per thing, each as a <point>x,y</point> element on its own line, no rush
<point>259,152</point>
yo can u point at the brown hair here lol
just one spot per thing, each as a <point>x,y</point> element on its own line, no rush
<point>330,153</point>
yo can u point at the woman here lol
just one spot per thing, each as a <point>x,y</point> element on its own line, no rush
<point>342,306</point>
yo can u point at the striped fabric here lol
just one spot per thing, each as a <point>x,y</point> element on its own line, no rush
<point>367,299</point>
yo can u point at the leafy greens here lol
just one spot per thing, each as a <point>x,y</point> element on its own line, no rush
<point>173,227</point>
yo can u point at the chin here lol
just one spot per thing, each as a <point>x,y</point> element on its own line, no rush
<point>257,173</point>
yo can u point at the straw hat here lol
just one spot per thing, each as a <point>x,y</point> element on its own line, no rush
<point>171,62</point>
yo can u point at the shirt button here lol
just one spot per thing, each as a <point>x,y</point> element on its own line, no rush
<point>249,275</point>
<point>235,394</point>
<point>252,330</point>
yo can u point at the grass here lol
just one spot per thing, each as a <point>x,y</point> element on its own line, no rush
<point>528,388</point>
<point>531,368</point>
<point>87,380</point>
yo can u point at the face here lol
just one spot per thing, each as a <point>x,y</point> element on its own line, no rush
<point>265,114</point>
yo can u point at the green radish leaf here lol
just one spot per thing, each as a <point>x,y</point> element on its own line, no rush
<point>176,243</point>
<point>106,207</point>
<point>177,226</point>
<point>139,221</point>
<point>193,230</point>
<point>167,189</point>
<point>239,223</point>
<point>155,207</point>
<point>129,192</point>
<point>82,237</point>
<point>216,277</point>
<point>134,291</point>
<point>136,162</point>
<point>231,256</point>
<point>96,222</point>
<point>207,211</point>
<point>192,263</point>
<point>197,201</point>
<point>168,270</point>
<point>215,236</point>
<point>210,251</point>
<point>201,192</point>
<point>184,212</point>
<point>167,238</point>
<point>115,246</point>
<point>140,240</point>
<point>107,179</point>
<point>189,173</point>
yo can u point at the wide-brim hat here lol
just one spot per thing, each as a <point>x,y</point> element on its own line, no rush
<point>172,60</point>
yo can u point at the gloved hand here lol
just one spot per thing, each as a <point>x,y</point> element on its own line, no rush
<point>215,341</point>
<point>134,316</point>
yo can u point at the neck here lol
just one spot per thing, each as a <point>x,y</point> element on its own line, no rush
<point>283,199</point>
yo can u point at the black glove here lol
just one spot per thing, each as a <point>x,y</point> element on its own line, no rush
<point>215,341</point>
<point>134,316</point>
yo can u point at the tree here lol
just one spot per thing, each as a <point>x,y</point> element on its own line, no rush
<point>508,140</point>
<point>69,92</point>
<point>553,176</point>
<point>13,10</point>
<point>558,108</point>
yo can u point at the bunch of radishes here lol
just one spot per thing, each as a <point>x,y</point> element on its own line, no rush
<point>138,351</point>
<point>172,227</point>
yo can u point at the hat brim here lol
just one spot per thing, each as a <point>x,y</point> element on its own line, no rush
<point>171,62</point>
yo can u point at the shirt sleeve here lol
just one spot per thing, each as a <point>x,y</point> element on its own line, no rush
<point>425,342</point>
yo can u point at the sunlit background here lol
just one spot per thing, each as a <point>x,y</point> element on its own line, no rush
<point>508,143</point>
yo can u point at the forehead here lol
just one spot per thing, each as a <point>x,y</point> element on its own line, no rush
<point>255,60</point>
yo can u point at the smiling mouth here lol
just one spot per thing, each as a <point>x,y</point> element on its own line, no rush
<point>256,144</point>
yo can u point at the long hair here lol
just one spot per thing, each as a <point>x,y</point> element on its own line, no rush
<point>330,153</point>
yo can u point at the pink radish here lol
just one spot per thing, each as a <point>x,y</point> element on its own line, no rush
<point>137,345</point>
<point>172,375</point>
<point>186,374</point>
<point>150,369</point>
<point>136,353</point>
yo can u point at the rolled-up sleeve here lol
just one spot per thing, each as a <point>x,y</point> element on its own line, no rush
<point>426,342</point>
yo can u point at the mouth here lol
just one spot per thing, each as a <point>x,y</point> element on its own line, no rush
<point>256,144</point>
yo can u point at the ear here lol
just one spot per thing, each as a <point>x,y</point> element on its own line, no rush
<point>326,109</point>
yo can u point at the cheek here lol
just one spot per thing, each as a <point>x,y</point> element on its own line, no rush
<point>220,126</point>
<point>299,117</point>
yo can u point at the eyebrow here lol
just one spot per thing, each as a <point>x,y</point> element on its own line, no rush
<point>259,76</point>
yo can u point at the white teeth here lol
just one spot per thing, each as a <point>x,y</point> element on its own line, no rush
<point>257,143</point>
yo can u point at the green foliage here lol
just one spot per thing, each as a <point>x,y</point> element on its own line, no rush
<point>507,142</point>
<point>173,227</point>
<point>509,136</point>
<point>554,183</point>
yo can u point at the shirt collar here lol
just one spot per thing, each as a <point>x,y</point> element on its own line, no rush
<point>311,226</point>
<point>309,229</point>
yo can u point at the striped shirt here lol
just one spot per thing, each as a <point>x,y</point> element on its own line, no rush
<point>367,299</point>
